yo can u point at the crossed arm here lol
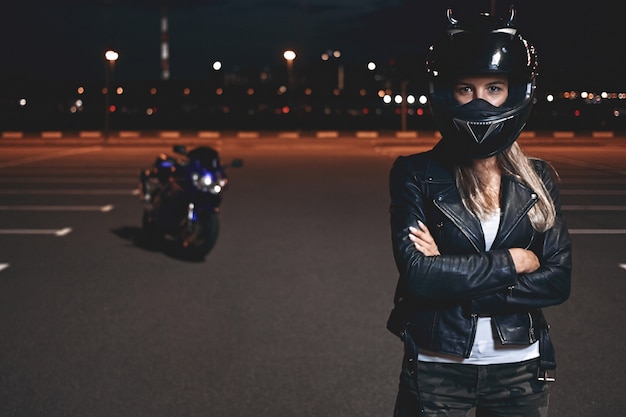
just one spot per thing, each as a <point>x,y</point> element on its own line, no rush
<point>525,261</point>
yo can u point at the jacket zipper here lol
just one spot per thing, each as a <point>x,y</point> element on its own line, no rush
<point>470,343</point>
<point>531,329</point>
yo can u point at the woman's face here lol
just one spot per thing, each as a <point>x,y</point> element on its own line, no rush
<point>491,88</point>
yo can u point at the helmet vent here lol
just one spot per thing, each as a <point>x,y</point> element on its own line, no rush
<point>479,131</point>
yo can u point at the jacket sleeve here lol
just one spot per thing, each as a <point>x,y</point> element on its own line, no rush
<point>437,278</point>
<point>547,286</point>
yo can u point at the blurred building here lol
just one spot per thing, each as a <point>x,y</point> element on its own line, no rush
<point>321,96</point>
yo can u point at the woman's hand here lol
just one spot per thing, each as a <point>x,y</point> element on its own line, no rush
<point>423,240</point>
<point>525,261</point>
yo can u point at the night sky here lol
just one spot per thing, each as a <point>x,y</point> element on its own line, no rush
<point>65,40</point>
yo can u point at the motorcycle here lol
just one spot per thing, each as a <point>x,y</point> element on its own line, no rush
<point>181,197</point>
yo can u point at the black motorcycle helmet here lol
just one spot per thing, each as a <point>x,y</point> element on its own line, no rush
<point>481,46</point>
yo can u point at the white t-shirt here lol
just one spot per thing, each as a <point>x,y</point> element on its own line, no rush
<point>487,348</point>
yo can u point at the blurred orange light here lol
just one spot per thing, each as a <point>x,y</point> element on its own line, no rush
<point>285,109</point>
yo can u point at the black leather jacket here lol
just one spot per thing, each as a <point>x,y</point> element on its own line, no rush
<point>439,298</point>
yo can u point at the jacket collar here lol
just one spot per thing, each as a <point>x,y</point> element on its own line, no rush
<point>517,199</point>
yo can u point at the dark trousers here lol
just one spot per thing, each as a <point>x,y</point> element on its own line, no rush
<point>452,390</point>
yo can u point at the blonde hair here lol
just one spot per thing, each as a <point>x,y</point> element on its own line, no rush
<point>513,162</point>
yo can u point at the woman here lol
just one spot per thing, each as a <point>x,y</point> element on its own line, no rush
<point>478,237</point>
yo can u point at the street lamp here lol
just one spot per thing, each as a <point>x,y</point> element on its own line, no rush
<point>111,56</point>
<point>340,72</point>
<point>218,74</point>
<point>289,56</point>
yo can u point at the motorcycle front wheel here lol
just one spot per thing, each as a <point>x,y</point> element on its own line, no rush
<point>196,239</point>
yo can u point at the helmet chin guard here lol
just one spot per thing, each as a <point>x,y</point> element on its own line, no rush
<point>481,47</point>
<point>479,131</point>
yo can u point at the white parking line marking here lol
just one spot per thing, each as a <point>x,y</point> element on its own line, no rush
<point>592,192</point>
<point>68,192</point>
<point>53,155</point>
<point>56,232</point>
<point>3,266</point>
<point>63,232</point>
<point>597,231</point>
<point>575,162</point>
<point>593,208</point>
<point>594,181</point>
<point>71,180</point>
<point>57,208</point>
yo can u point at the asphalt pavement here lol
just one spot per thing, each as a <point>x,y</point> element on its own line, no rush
<point>286,316</point>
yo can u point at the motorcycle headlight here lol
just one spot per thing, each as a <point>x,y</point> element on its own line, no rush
<point>207,183</point>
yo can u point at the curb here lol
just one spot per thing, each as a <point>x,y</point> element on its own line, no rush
<point>136,137</point>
